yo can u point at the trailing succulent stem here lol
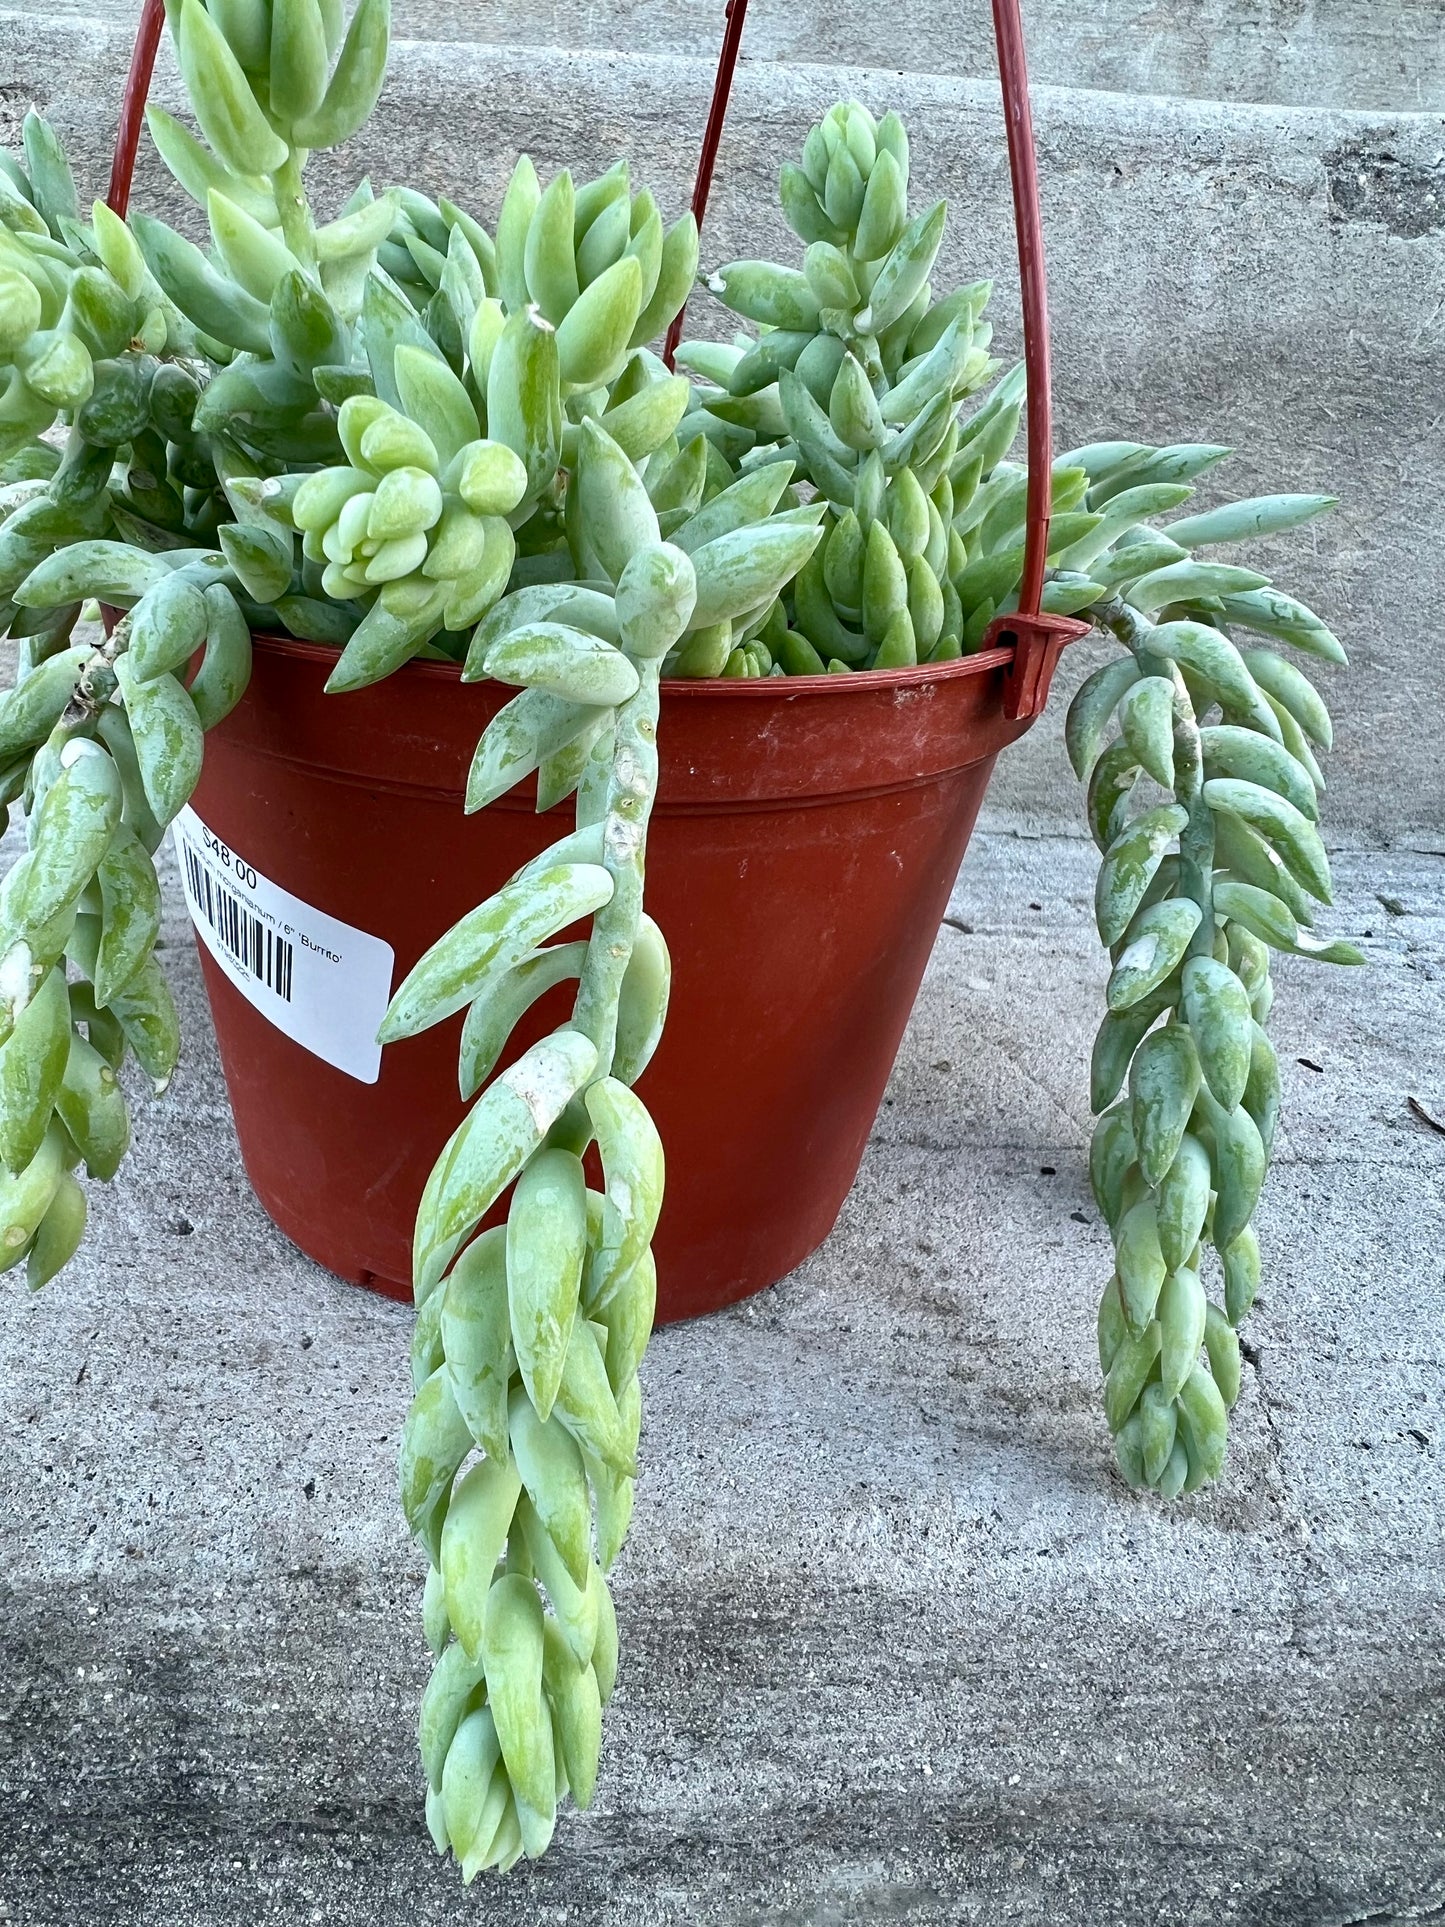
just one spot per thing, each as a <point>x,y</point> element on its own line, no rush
<point>529,1338</point>
<point>854,379</point>
<point>1183,1070</point>
<point>391,433</point>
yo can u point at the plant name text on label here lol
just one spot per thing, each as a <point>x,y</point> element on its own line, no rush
<point>323,982</point>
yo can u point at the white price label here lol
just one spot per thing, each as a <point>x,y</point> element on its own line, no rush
<point>323,982</point>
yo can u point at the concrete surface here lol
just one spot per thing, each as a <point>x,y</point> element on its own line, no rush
<point>1262,277</point>
<point>897,1645</point>
<point>1309,53</point>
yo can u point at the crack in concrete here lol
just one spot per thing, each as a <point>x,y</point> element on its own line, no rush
<point>1253,1356</point>
<point>1312,1569</point>
<point>1031,1076</point>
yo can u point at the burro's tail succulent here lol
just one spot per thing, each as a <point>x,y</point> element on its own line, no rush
<point>1204,788</point>
<point>520,1448</point>
<point>524,1430</point>
<point>1200,753</point>
<point>856,376</point>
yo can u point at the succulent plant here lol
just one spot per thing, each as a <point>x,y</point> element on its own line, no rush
<point>1216,738</point>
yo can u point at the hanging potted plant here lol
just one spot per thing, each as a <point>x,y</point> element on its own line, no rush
<point>328,469</point>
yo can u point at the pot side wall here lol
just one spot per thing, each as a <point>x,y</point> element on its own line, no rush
<point>806,836</point>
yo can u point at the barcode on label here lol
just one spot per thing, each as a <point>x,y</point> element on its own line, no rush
<point>269,958</point>
<point>322,982</point>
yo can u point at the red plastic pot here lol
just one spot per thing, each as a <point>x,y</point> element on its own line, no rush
<point>806,836</point>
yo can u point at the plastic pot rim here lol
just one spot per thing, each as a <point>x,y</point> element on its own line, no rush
<point>750,687</point>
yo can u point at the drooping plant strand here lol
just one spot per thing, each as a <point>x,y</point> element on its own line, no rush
<point>529,1337</point>
<point>856,378</point>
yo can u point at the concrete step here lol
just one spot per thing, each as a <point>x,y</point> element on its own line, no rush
<point>898,1649</point>
<point>1269,278</point>
<point>1310,53</point>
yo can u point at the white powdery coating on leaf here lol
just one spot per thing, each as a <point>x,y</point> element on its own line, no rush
<point>620,1197</point>
<point>549,1075</point>
<point>1140,955</point>
<point>15,972</point>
